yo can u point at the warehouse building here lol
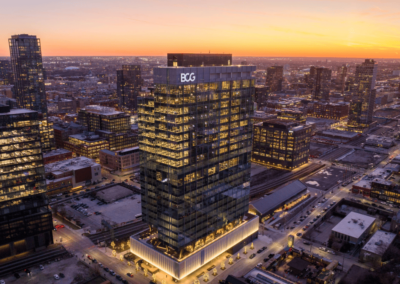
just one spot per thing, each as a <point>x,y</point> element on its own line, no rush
<point>266,206</point>
<point>375,248</point>
<point>353,228</point>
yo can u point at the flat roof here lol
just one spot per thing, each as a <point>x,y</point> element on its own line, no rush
<point>17,111</point>
<point>379,242</point>
<point>354,224</point>
<point>56,152</point>
<point>70,164</point>
<point>280,195</point>
<point>340,133</point>
<point>264,276</point>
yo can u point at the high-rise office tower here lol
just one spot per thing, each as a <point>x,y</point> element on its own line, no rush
<point>195,138</point>
<point>129,83</point>
<point>25,220</point>
<point>29,91</point>
<point>6,75</point>
<point>362,106</point>
<point>321,83</point>
<point>341,78</point>
<point>274,78</point>
<point>196,59</point>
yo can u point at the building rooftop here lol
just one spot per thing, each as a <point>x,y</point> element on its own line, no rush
<point>354,224</point>
<point>379,242</point>
<point>281,194</point>
<point>56,152</point>
<point>340,133</point>
<point>102,110</point>
<point>70,165</point>
<point>17,111</point>
<point>89,137</point>
<point>264,276</point>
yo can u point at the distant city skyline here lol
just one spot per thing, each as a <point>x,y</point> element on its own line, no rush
<point>310,28</point>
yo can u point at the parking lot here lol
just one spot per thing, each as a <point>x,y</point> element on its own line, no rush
<point>117,212</point>
<point>73,271</point>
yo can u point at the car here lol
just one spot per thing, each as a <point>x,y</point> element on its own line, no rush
<point>94,260</point>
<point>100,264</point>
<point>259,251</point>
<point>130,274</point>
<point>59,226</point>
<point>74,193</point>
<point>306,243</point>
<point>264,248</point>
<point>113,180</point>
<point>124,281</point>
<point>77,198</point>
<point>266,259</point>
<point>373,204</point>
<point>271,255</point>
<point>92,199</point>
<point>118,277</point>
<point>112,272</point>
<point>61,275</point>
<point>322,248</point>
<point>331,251</point>
<point>16,275</point>
<point>292,227</point>
<point>311,222</point>
<point>252,256</point>
<point>106,269</point>
<point>89,257</point>
<point>299,234</point>
<point>41,267</point>
<point>56,276</point>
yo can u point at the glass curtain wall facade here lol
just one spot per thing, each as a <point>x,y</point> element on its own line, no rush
<point>195,143</point>
<point>362,108</point>
<point>322,83</point>
<point>341,78</point>
<point>274,78</point>
<point>25,220</point>
<point>29,90</point>
<point>129,83</point>
<point>281,144</point>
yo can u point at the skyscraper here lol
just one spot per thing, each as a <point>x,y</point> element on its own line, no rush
<point>321,83</point>
<point>341,78</point>
<point>362,106</point>
<point>274,78</point>
<point>25,219</point>
<point>129,83</point>
<point>198,60</point>
<point>195,138</point>
<point>6,76</point>
<point>26,61</point>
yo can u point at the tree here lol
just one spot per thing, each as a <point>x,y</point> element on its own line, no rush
<point>128,244</point>
<point>113,244</point>
<point>122,246</point>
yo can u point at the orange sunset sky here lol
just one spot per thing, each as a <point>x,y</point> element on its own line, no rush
<point>320,28</point>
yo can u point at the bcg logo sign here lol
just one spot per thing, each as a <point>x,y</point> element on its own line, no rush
<point>187,77</point>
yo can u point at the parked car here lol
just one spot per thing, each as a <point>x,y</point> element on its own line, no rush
<point>130,274</point>
<point>299,234</point>
<point>322,248</point>
<point>61,275</point>
<point>106,269</point>
<point>306,243</point>
<point>41,267</point>
<point>112,272</point>
<point>331,251</point>
<point>118,277</point>
<point>56,277</point>
<point>252,256</point>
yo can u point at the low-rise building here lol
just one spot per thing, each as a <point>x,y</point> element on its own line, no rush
<point>378,176</point>
<point>334,136</point>
<point>281,143</point>
<point>56,155</point>
<point>64,176</point>
<point>353,228</point>
<point>379,141</point>
<point>86,144</point>
<point>265,207</point>
<point>126,160</point>
<point>377,245</point>
<point>336,111</point>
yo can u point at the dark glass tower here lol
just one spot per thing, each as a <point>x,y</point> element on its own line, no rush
<point>362,107</point>
<point>29,91</point>
<point>195,138</point>
<point>25,220</point>
<point>341,78</point>
<point>322,83</point>
<point>129,83</point>
<point>274,78</point>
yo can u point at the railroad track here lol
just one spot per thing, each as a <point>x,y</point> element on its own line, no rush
<point>335,154</point>
<point>263,189</point>
<point>31,260</point>
<point>120,232</point>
